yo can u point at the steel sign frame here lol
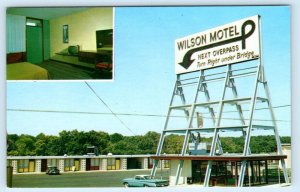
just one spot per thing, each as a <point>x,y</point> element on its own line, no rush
<point>201,81</point>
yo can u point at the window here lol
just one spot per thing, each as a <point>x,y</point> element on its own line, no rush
<point>95,164</point>
<point>33,22</point>
<point>15,33</point>
<point>23,165</point>
<point>111,164</point>
<point>167,164</point>
<point>51,162</point>
<point>69,163</point>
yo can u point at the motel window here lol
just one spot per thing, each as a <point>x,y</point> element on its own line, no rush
<point>26,165</point>
<point>52,162</point>
<point>23,165</point>
<point>16,35</point>
<point>33,22</point>
<point>69,163</point>
<point>150,162</point>
<point>111,164</point>
<point>95,162</point>
<point>167,164</point>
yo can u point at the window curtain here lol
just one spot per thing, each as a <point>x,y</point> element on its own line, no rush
<point>15,33</point>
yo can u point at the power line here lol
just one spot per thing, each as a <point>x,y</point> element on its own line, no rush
<point>125,114</point>
<point>85,112</point>
<point>263,108</point>
<point>109,108</point>
<point>134,114</point>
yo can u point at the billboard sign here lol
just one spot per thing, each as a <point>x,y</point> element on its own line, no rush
<point>231,43</point>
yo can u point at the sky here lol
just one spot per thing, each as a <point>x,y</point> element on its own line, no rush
<point>145,73</point>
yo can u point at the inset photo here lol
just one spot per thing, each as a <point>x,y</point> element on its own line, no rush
<point>55,43</point>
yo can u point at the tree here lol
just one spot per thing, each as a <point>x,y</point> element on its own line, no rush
<point>11,142</point>
<point>173,144</point>
<point>54,146</point>
<point>76,142</point>
<point>285,139</point>
<point>148,143</point>
<point>25,145</point>
<point>116,137</point>
<point>40,147</point>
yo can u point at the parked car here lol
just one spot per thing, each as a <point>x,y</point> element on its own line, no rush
<point>144,181</point>
<point>52,170</point>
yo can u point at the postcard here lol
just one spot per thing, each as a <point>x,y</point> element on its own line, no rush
<point>193,96</point>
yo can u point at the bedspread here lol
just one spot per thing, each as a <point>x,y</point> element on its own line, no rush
<point>26,71</point>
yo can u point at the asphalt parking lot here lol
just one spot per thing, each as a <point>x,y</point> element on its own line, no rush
<point>79,179</point>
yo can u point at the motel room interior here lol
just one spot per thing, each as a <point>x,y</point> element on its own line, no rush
<point>68,43</point>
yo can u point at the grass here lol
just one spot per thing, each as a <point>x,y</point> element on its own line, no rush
<point>77,179</point>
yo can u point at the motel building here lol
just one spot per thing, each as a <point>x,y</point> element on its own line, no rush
<point>81,163</point>
<point>225,170</point>
<point>263,169</point>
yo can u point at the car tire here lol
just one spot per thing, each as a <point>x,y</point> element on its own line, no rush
<point>126,185</point>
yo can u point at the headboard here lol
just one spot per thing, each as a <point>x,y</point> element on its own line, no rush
<point>16,57</point>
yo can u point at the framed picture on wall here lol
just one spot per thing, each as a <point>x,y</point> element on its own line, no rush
<point>65,34</point>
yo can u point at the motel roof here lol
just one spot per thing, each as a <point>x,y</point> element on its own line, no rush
<point>78,157</point>
<point>225,157</point>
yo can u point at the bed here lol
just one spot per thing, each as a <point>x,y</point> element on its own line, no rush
<point>18,69</point>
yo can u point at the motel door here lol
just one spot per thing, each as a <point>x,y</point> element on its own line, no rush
<point>196,171</point>
<point>31,166</point>
<point>118,164</point>
<point>44,165</point>
<point>76,162</point>
<point>88,164</point>
<point>34,40</point>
